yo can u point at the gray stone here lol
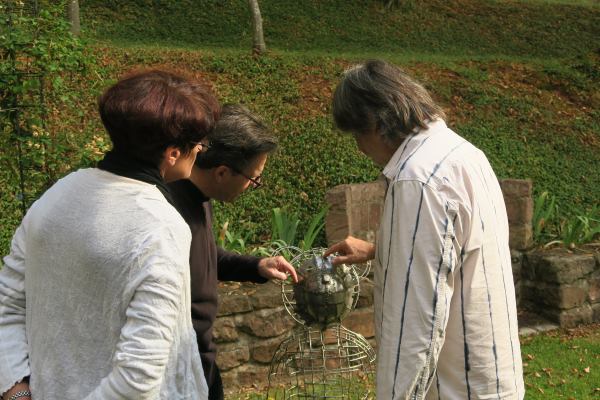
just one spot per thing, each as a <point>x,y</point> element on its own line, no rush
<point>516,187</point>
<point>361,321</point>
<point>546,327</point>
<point>267,323</point>
<point>266,296</point>
<point>262,351</point>
<point>557,266</point>
<point>365,298</point>
<point>576,316</point>
<point>526,331</point>
<point>224,330</point>
<point>233,303</point>
<point>232,355</point>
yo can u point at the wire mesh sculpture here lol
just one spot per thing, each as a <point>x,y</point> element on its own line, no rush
<point>321,359</point>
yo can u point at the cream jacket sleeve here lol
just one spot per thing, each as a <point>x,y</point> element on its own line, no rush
<point>147,337</point>
<point>14,360</point>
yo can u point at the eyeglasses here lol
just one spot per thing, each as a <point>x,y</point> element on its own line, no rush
<point>256,181</point>
<point>204,146</point>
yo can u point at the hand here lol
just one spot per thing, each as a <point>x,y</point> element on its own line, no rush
<point>24,385</point>
<point>276,268</point>
<point>352,251</point>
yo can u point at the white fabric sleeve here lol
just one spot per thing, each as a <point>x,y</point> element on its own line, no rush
<point>14,359</point>
<point>147,337</point>
<point>418,258</point>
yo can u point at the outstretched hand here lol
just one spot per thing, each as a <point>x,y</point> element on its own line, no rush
<point>276,268</point>
<point>352,251</point>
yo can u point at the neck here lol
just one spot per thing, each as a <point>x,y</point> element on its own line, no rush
<point>201,179</point>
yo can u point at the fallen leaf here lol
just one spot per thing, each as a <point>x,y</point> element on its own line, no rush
<point>586,370</point>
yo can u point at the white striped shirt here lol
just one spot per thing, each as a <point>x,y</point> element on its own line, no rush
<point>445,309</point>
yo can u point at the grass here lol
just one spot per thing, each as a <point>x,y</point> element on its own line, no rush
<point>464,27</point>
<point>563,364</point>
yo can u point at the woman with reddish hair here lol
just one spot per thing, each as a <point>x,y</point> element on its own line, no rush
<point>95,292</point>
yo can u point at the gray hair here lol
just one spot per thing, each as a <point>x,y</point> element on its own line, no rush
<point>379,96</point>
<point>238,138</point>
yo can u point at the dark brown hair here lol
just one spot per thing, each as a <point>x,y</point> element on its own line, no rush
<point>238,138</point>
<point>379,96</point>
<point>146,112</point>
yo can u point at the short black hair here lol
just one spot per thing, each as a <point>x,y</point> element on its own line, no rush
<point>238,138</point>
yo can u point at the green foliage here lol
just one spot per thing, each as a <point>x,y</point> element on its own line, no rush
<point>550,227</point>
<point>544,214</point>
<point>37,55</point>
<point>465,28</point>
<point>580,229</point>
<point>284,226</point>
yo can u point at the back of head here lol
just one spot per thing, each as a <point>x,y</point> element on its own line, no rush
<point>379,96</point>
<point>146,112</point>
<point>238,138</point>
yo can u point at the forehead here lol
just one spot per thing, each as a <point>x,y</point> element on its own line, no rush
<point>258,163</point>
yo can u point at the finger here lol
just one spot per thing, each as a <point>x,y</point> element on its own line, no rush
<point>343,260</point>
<point>334,248</point>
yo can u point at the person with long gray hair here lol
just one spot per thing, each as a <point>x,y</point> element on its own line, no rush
<point>238,148</point>
<point>445,308</point>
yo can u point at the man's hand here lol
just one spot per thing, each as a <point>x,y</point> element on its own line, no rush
<point>276,268</point>
<point>352,251</point>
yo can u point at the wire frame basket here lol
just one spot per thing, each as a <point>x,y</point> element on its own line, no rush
<point>296,304</point>
<point>335,363</point>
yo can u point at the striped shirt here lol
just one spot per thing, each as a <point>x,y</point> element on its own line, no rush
<point>445,309</point>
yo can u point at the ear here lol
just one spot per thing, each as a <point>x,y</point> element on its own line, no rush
<point>171,155</point>
<point>221,173</point>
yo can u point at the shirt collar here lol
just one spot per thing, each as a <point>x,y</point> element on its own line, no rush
<point>391,168</point>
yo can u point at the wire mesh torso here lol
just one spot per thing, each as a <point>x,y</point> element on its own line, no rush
<point>335,363</point>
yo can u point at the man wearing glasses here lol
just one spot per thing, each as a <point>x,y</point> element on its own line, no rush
<point>229,163</point>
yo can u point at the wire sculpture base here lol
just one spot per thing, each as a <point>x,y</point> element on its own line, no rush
<point>335,363</point>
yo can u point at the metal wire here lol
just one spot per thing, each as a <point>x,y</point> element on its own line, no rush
<point>314,364</point>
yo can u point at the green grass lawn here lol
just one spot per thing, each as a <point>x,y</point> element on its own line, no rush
<point>563,364</point>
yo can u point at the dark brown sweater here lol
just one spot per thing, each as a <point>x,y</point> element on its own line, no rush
<point>208,264</point>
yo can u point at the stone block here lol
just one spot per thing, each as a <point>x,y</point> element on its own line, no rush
<point>361,321</point>
<point>354,210</point>
<point>576,316</point>
<point>224,330</point>
<point>594,291</point>
<point>266,296</point>
<point>266,323</point>
<point>519,210</point>
<point>516,187</point>
<point>365,298</point>
<point>262,351</point>
<point>520,237</point>
<point>596,312</point>
<point>557,266</point>
<point>232,355</point>
<point>233,303</point>
<point>561,297</point>
<point>255,376</point>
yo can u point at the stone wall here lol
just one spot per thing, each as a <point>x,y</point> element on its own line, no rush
<point>562,286</point>
<point>252,322</point>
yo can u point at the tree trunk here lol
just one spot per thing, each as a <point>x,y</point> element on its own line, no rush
<point>258,39</point>
<point>73,13</point>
